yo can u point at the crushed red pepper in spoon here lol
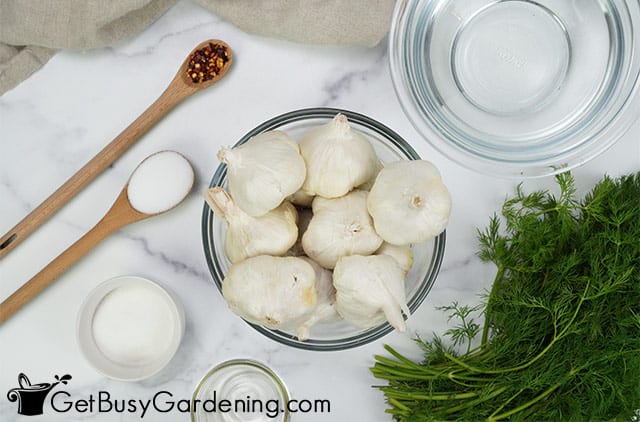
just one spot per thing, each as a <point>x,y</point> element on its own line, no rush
<point>207,62</point>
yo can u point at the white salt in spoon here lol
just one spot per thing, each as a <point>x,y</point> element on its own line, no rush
<point>159,183</point>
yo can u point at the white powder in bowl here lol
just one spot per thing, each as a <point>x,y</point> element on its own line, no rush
<point>160,182</point>
<point>133,325</point>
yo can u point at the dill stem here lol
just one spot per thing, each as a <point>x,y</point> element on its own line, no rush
<point>402,375</point>
<point>401,358</point>
<point>487,311</point>
<point>386,367</point>
<point>477,401</point>
<point>502,406</point>
<point>464,384</point>
<point>527,404</point>
<point>438,396</point>
<point>387,361</point>
<point>400,363</point>
<point>405,409</point>
<point>386,372</point>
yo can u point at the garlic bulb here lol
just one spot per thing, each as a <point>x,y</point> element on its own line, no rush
<point>403,254</point>
<point>263,171</point>
<point>409,203</point>
<point>338,158</point>
<point>370,289</point>
<point>277,292</point>
<point>271,234</point>
<point>339,227</point>
<point>325,309</point>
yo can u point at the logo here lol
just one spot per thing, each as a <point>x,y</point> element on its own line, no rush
<point>31,397</point>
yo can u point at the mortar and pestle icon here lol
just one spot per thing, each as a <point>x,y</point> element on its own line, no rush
<point>31,397</point>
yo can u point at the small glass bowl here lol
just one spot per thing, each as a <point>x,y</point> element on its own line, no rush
<point>427,256</point>
<point>254,392</point>
<point>124,370</point>
<point>518,88</point>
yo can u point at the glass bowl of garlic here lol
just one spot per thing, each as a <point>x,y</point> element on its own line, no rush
<point>331,333</point>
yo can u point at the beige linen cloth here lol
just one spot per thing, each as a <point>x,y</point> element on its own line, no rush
<point>31,31</point>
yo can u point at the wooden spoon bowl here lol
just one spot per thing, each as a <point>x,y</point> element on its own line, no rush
<point>185,85</point>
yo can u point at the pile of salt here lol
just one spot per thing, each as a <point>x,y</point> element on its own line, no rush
<point>133,325</point>
<point>160,182</point>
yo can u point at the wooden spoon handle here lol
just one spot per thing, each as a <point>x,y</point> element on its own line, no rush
<point>175,93</point>
<point>56,267</point>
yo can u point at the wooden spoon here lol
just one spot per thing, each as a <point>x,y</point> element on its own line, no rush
<point>121,213</point>
<point>183,85</point>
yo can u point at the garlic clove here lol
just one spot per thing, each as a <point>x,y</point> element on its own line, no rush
<point>403,254</point>
<point>338,158</point>
<point>301,199</point>
<point>370,289</point>
<point>271,234</point>
<point>409,203</point>
<point>339,227</point>
<point>276,292</point>
<point>264,171</point>
<point>325,310</point>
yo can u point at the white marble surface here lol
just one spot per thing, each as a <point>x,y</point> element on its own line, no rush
<point>64,114</point>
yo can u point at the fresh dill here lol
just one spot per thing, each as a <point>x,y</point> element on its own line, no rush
<point>561,338</point>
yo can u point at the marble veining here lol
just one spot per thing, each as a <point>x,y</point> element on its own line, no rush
<point>342,86</point>
<point>166,259</point>
<point>55,121</point>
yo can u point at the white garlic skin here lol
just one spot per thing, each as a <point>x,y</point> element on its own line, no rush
<point>264,171</point>
<point>370,289</point>
<point>403,254</point>
<point>276,292</point>
<point>337,157</point>
<point>339,227</point>
<point>409,203</point>
<point>325,310</point>
<point>271,234</point>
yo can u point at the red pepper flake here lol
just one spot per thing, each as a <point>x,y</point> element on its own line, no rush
<point>207,62</point>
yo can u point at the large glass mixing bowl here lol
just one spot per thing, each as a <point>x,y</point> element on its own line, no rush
<point>427,256</point>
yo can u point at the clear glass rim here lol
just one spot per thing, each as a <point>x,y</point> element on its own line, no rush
<point>366,336</point>
<point>242,362</point>
<point>597,137</point>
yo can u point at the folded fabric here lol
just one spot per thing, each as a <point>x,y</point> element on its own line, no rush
<point>32,31</point>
